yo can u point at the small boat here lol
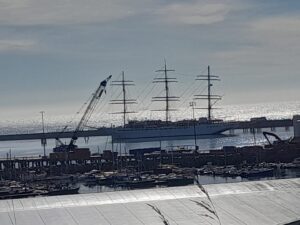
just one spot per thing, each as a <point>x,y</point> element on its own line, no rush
<point>173,180</point>
<point>257,172</point>
<point>64,190</point>
<point>4,191</point>
<point>17,193</point>
<point>231,171</point>
<point>141,183</point>
<point>103,180</point>
<point>179,181</point>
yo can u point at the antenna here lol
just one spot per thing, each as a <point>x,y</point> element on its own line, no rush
<point>167,98</point>
<point>209,97</point>
<point>124,101</point>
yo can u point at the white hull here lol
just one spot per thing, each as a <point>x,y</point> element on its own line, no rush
<point>167,132</point>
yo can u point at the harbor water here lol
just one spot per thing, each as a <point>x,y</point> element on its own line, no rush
<point>204,179</point>
<point>276,110</point>
<point>98,144</point>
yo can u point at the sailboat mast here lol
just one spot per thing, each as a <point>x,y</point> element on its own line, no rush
<point>167,98</point>
<point>124,99</point>
<point>209,94</point>
<point>167,92</point>
<point>209,97</point>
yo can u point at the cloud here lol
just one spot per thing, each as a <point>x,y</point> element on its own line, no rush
<point>274,41</point>
<point>41,12</point>
<point>280,30</point>
<point>194,13</point>
<point>16,45</point>
<point>45,12</point>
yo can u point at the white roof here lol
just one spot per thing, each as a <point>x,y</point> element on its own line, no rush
<point>257,203</point>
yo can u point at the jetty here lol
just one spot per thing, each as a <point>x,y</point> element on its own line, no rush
<point>53,135</point>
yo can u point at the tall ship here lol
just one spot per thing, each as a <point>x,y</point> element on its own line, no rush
<point>152,130</point>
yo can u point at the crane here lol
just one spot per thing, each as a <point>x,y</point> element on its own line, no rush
<point>84,119</point>
<point>266,134</point>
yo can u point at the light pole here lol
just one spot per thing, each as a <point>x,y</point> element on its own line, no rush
<point>43,140</point>
<point>193,104</point>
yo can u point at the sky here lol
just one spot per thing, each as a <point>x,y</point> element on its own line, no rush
<point>54,53</point>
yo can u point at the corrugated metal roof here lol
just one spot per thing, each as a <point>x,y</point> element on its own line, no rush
<point>260,202</point>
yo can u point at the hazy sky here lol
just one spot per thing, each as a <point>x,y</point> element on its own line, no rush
<point>53,53</point>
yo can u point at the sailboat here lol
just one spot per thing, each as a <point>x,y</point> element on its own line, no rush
<point>157,130</point>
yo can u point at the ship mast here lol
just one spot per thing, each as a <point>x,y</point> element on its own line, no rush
<point>209,97</point>
<point>167,98</point>
<point>124,101</point>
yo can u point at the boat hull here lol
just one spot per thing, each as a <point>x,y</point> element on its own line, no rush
<point>169,132</point>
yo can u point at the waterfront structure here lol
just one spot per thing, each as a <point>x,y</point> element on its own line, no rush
<point>296,124</point>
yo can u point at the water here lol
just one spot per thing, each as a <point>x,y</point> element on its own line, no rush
<point>277,110</point>
<point>204,179</point>
<point>98,144</point>
<point>278,174</point>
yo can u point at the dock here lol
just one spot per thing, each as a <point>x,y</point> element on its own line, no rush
<point>108,161</point>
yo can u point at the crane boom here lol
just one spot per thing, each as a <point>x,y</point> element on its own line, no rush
<point>90,108</point>
<point>86,116</point>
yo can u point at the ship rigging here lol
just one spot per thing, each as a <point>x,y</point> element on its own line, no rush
<point>150,130</point>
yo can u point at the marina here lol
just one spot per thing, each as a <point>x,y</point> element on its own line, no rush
<point>148,168</point>
<point>157,112</point>
<point>68,166</point>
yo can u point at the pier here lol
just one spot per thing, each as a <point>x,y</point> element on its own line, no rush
<point>52,135</point>
<point>260,123</point>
